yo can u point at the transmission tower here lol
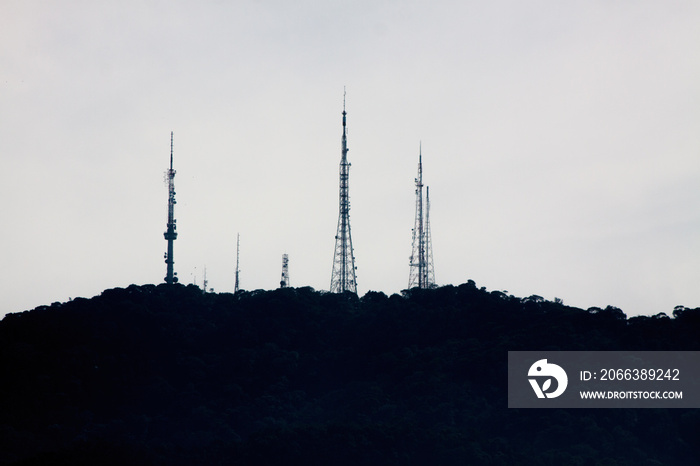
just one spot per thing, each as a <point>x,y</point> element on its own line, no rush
<point>170,234</point>
<point>343,277</point>
<point>421,269</point>
<point>238,248</point>
<point>284,281</point>
<point>429,242</point>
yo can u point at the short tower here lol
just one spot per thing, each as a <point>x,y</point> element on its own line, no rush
<point>284,280</point>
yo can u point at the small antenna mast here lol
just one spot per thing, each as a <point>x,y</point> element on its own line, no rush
<point>430,266</point>
<point>238,248</point>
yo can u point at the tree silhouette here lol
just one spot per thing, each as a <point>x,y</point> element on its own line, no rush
<point>170,375</point>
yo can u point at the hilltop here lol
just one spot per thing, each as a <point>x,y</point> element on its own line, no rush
<point>169,375</point>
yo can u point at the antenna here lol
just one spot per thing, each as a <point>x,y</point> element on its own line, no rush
<point>421,273</point>
<point>238,248</point>
<point>343,277</point>
<point>284,281</point>
<point>171,233</point>
<point>430,272</point>
<point>205,281</point>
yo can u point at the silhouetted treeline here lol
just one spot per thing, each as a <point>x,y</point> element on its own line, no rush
<point>169,375</point>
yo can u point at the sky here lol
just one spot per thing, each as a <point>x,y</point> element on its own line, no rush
<point>560,141</point>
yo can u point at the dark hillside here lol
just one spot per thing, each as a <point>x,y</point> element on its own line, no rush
<point>169,375</point>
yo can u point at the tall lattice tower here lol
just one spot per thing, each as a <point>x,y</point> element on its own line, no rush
<point>343,277</point>
<point>284,280</point>
<point>421,269</point>
<point>171,233</point>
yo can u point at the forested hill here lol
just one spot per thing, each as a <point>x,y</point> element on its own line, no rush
<point>169,375</point>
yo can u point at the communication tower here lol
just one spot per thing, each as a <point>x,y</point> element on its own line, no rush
<point>238,248</point>
<point>429,242</point>
<point>343,277</point>
<point>421,269</point>
<point>171,233</point>
<point>284,281</point>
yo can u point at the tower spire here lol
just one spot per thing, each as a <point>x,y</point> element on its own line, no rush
<point>343,277</point>
<point>421,273</point>
<point>171,233</point>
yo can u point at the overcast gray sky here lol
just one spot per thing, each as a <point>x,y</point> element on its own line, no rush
<point>561,144</point>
